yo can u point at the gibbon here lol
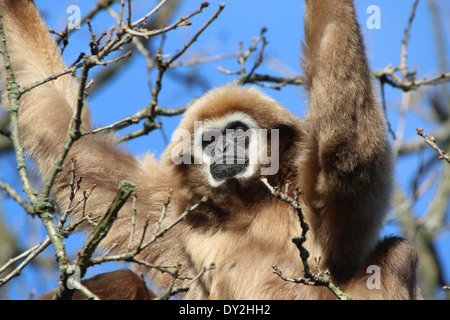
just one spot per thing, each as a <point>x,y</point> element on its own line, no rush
<point>339,156</point>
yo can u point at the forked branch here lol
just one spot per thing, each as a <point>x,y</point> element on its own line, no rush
<point>322,278</point>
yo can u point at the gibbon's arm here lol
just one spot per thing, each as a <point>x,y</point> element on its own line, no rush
<point>44,116</point>
<point>45,111</point>
<point>346,169</point>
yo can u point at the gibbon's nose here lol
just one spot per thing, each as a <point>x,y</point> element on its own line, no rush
<point>228,167</point>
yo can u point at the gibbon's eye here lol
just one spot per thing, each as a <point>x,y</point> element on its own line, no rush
<point>239,132</point>
<point>207,140</point>
<point>237,128</point>
<point>211,137</point>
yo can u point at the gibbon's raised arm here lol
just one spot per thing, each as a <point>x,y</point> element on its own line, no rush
<point>346,175</point>
<point>46,110</point>
<point>44,117</point>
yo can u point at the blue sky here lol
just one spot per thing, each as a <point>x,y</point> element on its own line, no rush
<point>240,22</point>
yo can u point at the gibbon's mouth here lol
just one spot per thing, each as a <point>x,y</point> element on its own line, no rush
<point>222,169</point>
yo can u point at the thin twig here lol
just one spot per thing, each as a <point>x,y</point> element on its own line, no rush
<point>175,290</point>
<point>130,255</point>
<point>83,289</point>
<point>388,75</point>
<point>405,40</point>
<point>162,65</point>
<point>383,103</point>
<point>431,141</point>
<point>70,70</point>
<point>82,260</point>
<point>146,33</point>
<point>199,32</point>
<point>15,196</point>
<point>29,255</point>
<point>149,14</point>
<point>178,220</point>
<point>100,5</point>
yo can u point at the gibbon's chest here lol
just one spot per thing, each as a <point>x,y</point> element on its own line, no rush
<point>244,260</point>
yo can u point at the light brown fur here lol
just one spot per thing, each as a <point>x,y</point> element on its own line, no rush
<point>339,156</point>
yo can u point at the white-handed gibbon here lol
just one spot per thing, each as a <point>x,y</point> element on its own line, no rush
<point>339,156</point>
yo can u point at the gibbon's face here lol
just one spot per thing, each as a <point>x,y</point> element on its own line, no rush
<point>227,147</point>
<point>232,133</point>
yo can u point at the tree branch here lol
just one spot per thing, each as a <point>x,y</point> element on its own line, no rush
<point>431,141</point>
<point>323,278</point>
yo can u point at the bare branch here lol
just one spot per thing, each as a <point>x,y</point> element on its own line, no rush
<point>405,40</point>
<point>431,141</point>
<point>174,290</point>
<point>100,5</point>
<point>323,278</point>
<point>387,75</point>
<point>125,190</point>
<point>149,14</point>
<point>178,220</point>
<point>29,255</point>
<point>83,289</point>
<point>14,195</point>
<point>162,66</point>
<point>199,32</point>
